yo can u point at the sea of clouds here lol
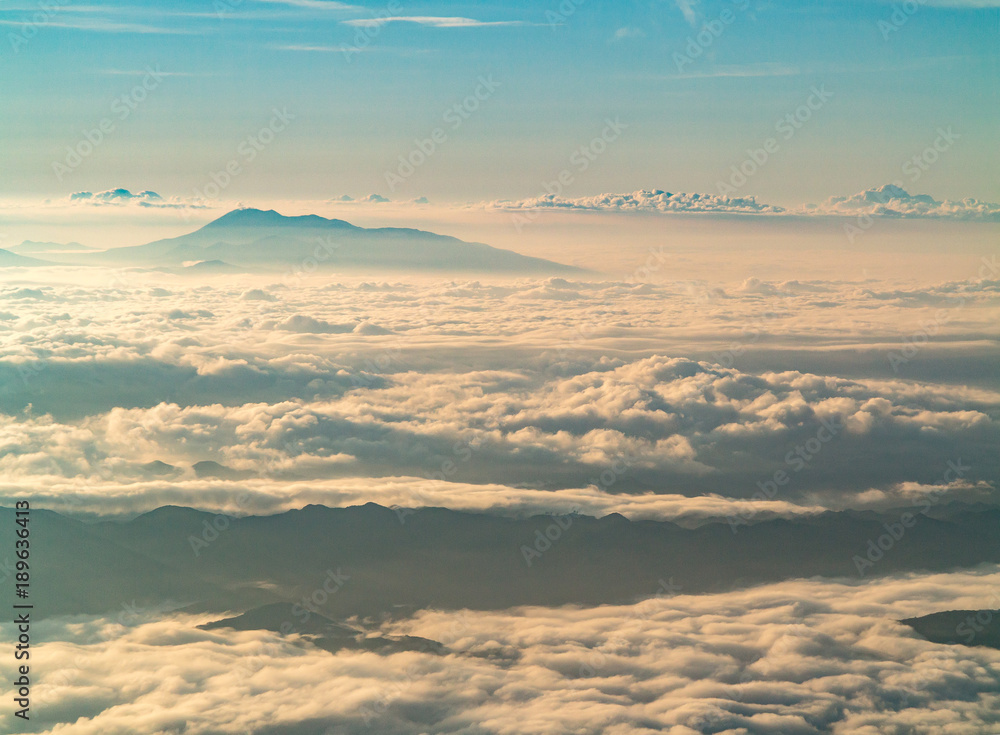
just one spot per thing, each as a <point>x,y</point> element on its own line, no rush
<point>654,400</point>
<point>803,656</point>
<point>655,397</point>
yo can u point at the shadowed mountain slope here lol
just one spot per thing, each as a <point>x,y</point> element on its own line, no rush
<point>394,562</point>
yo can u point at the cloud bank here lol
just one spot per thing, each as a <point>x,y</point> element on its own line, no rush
<point>796,657</point>
<point>892,200</point>
<point>651,400</point>
<point>644,201</point>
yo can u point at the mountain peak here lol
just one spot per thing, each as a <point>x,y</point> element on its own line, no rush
<point>250,217</point>
<point>266,239</point>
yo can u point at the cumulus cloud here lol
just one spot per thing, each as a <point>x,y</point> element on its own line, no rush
<point>257,294</point>
<point>311,325</point>
<point>644,201</point>
<point>123,197</point>
<point>892,200</point>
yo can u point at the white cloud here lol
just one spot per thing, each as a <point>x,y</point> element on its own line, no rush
<point>257,294</point>
<point>312,4</point>
<point>892,200</point>
<point>101,25</point>
<point>430,21</point>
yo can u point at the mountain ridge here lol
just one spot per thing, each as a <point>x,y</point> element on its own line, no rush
<point>397,560</point>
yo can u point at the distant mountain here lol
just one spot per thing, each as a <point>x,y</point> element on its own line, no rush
<point>208,468</point>
<point>213,266</point>
<point>396,562</point>
<point>295,619</point>
<point>285,615</point>
<point>9,259</point>
<point>31,247</point>
<point>959,627</point>
<point>266,239</point>
<point>158,468</point>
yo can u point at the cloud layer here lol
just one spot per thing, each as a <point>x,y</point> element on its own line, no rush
<point>796,657</point>
<point>666,401</point>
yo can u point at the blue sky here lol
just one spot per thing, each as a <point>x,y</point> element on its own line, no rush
<point>557,78</point>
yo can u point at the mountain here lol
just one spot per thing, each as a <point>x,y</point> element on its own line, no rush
<point>13,260</point>
<point>213,266</point>
<point>959,627</point>
<point>208,468</point>
<point>267,239</point>
<point>397,561</point>
<point>284,617</point>
<point>288,619</point>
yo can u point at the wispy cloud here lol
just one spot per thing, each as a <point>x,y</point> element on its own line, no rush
<point>627,32</point>
<point>106,26</point>
<point>687,9</point>
<point>319,49</point>
<point>432,21</point>
<point>312,4</point>
<point>776,69</point>
<point>957,4</point>
<point>143,72</point>
<point>765,69</point>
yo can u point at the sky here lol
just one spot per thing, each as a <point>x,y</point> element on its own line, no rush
<point>180,87</point>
